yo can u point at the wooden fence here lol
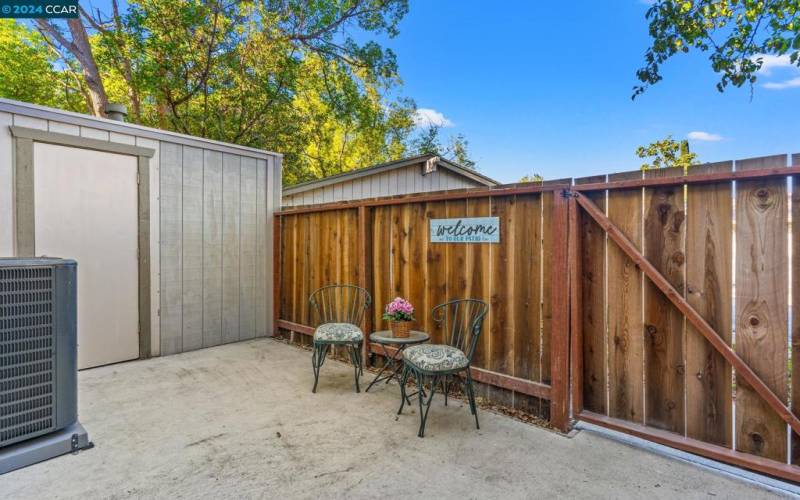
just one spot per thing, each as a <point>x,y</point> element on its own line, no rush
<point>384,245</point>
<point>620,287</point>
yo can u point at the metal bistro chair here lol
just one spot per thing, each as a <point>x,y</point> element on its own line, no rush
<point>462,321</point>
<point>339,310</point>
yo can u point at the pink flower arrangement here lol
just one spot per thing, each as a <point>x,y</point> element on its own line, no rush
<point>399,310</point>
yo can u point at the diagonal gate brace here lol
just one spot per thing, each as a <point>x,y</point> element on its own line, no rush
<point>693,316</point>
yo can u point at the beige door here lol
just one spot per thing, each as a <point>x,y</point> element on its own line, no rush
<point>86,209</point>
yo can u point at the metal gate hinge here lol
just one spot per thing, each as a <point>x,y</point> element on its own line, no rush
<point>568,193</point>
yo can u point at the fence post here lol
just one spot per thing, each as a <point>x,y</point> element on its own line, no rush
<point>276,273</point>
<point>575,306</point>
<point>559,335</point>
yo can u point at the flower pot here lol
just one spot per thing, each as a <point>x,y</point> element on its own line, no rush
<point>400,329</point>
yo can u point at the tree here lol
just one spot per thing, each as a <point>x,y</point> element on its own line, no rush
<point>28,73</point>
<point>667,153</point>
<point>531,178</point>
<point>427,142</point>
<point>738,33</point>
<point>285,75</point>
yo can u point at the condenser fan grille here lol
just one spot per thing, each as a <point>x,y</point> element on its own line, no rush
<point>27,353</point>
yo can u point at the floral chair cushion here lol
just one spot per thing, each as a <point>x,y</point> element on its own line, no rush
<point>435,357</point>
<point>338,332</point>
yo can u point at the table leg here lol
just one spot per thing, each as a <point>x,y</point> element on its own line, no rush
<point>391,364</point>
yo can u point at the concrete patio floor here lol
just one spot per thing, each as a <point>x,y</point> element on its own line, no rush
<point>240,421</point>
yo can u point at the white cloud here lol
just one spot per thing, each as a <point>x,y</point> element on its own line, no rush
<point>703,136</point>
<point>770,62</point>
<point>787,84</point>
<point>427,117</point>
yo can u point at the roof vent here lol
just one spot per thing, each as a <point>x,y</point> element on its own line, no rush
<point>430,165</point>
<point>116,112</point>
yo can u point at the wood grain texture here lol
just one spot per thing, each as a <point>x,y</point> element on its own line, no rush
<point>547,277</point>
<point>761,306</point>
<point>709,289</point>
<point>593,324</point>
<point>437,265</point>
<point>527,296</point>
<point>664,247</point>
<point>381,253</point>
<point>479,280</point>
<point>501,324</point>
<point>624,308</point>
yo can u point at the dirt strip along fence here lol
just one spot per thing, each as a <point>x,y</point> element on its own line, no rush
<point>653,303</point>
<point>384,245</point>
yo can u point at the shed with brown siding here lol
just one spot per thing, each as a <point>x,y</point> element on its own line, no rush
<point>419,174</point>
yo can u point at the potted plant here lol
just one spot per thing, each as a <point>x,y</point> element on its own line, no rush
<point>400,314</point>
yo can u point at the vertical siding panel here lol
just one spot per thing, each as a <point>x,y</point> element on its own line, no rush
<point>192,248</point>
<point>171,209</point>
<point>262,240</point>
<point>6,187</point>
<point>231,183</point>
<point>212,248</point>
<point>761,306</point>
<point>155,244</point>
<point>247,251</point>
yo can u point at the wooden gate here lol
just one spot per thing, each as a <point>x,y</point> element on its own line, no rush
<point>663,345</point>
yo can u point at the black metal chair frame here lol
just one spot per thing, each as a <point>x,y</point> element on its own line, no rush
<point>338,304</point>
<point>463,334</point>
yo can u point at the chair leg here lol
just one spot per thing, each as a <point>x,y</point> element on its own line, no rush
<point>403,382</point>
<point>423,416</point>
<point>471,395</point>
<point>446,388</point>
<point>317,359</point>
<point>354,358</point>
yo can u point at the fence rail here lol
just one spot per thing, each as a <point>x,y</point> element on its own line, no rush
<point>620,287</point>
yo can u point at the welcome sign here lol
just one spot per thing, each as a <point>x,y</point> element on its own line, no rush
<point>466,230</point>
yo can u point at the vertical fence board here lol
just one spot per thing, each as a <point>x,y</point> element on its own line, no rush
<point>709,285</point>
<point>761,306</point>
<point>289,281</point>
<point>624,313</point>
<point>381,253</point>
<point>435,256</point>
<point>664,240</point>
<point>527,296</point>
<point>501,329</point>
<point>212,248</point>
<point>479,279</point>
<point>416,264</point>
<point>593,324</point>
<point>546,243</point>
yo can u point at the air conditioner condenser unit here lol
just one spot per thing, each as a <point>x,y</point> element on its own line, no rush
<point>38,361</point>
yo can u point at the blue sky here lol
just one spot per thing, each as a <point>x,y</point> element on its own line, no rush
<point>544,87</point>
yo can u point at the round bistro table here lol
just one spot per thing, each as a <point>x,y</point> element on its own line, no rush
<point>394,364</point>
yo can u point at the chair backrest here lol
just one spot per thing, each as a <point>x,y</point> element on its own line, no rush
<point>461,321</point>
<point>339,304</point>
